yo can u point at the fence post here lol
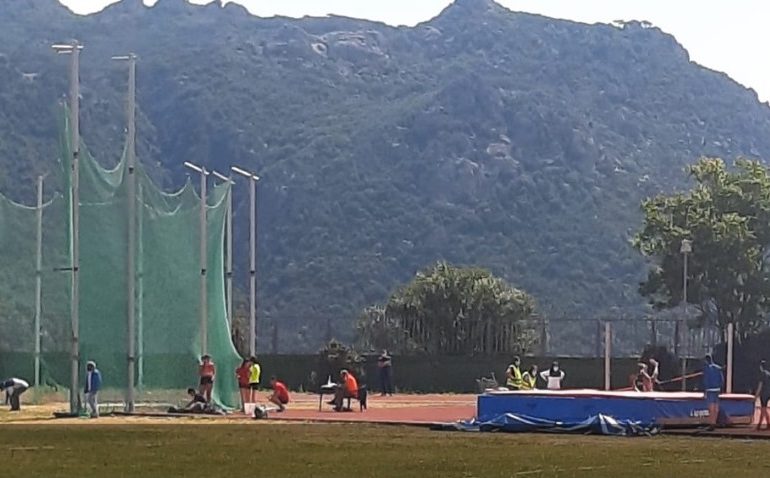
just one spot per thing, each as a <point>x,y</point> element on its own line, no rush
<point>730,336</point>
<point>607,355</point>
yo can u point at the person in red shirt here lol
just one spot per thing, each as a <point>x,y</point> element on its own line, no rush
<point>280,394</point>
<point>242,374</point>
<point>207,371</point>
<point>347,388</point>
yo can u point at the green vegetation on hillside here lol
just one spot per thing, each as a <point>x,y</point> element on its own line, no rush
<point>483,137</point>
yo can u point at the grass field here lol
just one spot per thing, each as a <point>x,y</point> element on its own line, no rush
<point>189,448</point>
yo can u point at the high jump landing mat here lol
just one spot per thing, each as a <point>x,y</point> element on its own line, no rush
<point>661,408</point>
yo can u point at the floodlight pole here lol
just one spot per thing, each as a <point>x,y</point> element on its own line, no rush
<point>38,276</point>
<point>74,98</point>
<point>228,248</point>
<point>253,178</point>
<point>203,248</point>
<point>685,249</point>
<point>131,213</point>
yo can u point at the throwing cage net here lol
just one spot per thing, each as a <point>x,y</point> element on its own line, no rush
<point>168,273</point>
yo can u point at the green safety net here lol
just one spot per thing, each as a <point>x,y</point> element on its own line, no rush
<point>168,271</point>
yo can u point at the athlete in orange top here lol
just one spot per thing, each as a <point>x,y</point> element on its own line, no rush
<point>207,372</point>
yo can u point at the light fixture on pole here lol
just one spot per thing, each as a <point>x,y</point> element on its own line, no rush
<point>203,247</point>
<point>685,250</point>
<point>253,178</point>
<point>228,247</point>
<point>131,229</point>
<point>73,49</point>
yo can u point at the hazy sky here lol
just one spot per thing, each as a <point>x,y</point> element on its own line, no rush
<point>729,36</point>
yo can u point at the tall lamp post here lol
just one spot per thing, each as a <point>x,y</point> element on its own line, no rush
<point>685,249</point>
<point>203,249</point>
<point>73,49</point>
<point>131,227</point>
<point>253,178</point>
<point>228,247</point>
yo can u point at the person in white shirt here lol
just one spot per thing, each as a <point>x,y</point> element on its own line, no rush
<point>553,376</point>
<point>14,387</point>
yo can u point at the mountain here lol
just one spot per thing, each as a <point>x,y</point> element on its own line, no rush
<point>507,140</point>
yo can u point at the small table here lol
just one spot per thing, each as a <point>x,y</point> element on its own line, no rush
<point>328,389</point>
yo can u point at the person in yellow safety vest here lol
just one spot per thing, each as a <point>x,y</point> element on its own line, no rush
<point>529,379</point>
<point>513,375</point>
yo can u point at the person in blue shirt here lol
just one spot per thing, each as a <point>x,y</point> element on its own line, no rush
<point>712,385</point>
<point>93,385</point>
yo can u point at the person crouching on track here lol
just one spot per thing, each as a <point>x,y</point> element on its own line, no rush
<point>14,387</point>
<point>763,394</point>
<point>553,376</point>
<point>712,385</point>
<point>280,396</point>
<point>529,379</point>
<point>207,372</point>
<point>513,375</point>
<point>197,402</point>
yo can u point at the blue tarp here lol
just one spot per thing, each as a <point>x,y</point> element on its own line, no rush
<point>595,425</point>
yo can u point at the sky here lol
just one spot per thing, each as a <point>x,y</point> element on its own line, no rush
<point>727,36</point>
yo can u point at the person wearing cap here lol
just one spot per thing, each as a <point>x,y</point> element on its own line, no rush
<point>712,385</point>
<point>92,387</point>
<point>763,394</point>
<point>14,387</point>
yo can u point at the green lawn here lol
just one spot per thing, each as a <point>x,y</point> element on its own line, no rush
<point>358,451</point>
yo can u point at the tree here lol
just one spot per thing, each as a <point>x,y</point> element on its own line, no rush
<point>447,309</point>
<point>727,218</point>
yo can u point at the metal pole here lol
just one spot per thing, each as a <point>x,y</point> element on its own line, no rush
<point>203,262</point>
<point>607,354</point>
<point>229,264</point>
<point>252,266</point>
<point>131,258</point>
<point>38,276</point>
<point>140,289</point>
<point>74,98</point>
<point>684,327</point>
<point>730,338</point>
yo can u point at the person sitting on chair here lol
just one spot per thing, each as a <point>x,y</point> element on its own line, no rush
<point>280,396</point>
<point>347,388</point>
<point>529,379</point>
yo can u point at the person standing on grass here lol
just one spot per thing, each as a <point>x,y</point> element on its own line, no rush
<point>280,396</point>
<point>513,375</point>
<point>385,364</point>
<point>255,373</point>
<point>529,378</point>
<point>553,376</point>
<point>14,387</point>
<point>712,385</point>
<point>207,372</point>
<point>763,394</point>
<point>242,374</point>
<point>92,387</point>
